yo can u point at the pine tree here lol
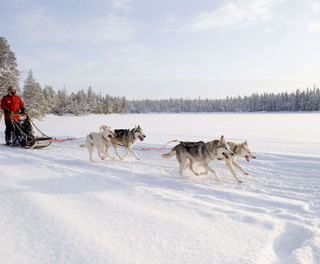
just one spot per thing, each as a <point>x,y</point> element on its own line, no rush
<point>33,97</point>
<point>62,105</point>
<point>9,74</point>
<point>49,97</point>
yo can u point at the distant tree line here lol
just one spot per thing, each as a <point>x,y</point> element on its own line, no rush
<point>306,100</point>
<point>41,101</point>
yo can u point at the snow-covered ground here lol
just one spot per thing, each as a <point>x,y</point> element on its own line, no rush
<point>57,207</point>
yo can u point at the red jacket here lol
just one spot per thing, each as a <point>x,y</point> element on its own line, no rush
<point>14,104</point>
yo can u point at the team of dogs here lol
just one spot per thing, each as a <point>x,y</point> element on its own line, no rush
<point>187,153</point>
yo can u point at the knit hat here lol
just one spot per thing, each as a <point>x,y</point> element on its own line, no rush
<point>12,89</point>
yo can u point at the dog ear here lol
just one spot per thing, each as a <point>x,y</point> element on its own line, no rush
<point>222,138</point>
<point>245,143</point>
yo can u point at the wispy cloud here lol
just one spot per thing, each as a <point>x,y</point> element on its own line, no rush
<point>235,14</point>
<point>40,25</point>
<point>122,4</point>
<point>314,27</point>
<point>132,58</point>
<point>170,23</point>
<point>316,7</point>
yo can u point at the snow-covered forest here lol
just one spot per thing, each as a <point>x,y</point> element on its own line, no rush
<point>46,100</point>
<point>41,101</point>
<point>306,100</point>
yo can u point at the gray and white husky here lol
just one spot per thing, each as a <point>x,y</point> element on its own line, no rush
<point>101,141</point>
<point>126,138</point>
<point>239,150</point>
<point>188,153</point>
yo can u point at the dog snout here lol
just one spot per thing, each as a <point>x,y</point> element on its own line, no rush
<point>225,155</point>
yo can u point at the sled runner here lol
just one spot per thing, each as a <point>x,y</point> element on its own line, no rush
<point>24,133</point>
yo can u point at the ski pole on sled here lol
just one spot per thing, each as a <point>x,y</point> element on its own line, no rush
<point>24,132</point>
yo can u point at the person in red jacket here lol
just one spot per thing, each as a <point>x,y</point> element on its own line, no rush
<point>11,104</point>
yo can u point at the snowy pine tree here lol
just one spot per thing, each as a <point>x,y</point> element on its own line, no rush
<point>49,97</point>
<point>62,103</point>
<point>9,74</point>
<point>33,97</point>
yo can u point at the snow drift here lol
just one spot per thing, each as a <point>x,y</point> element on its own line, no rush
<point>57,207</point>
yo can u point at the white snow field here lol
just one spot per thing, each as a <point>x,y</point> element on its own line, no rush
<point>57,207</point>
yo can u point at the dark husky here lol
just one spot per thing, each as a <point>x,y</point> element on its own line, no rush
<point>200,152</point>
<point>126,138</point>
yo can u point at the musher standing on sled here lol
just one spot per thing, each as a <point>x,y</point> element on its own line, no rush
<point>11,104</point>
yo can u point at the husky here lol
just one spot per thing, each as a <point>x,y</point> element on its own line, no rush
<point>126,138</point>
<point>101,141</point>
<point>203,153</point>
<point>239,150</point>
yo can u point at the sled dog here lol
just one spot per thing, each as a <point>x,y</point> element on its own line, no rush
<point>187,153</point>
<point>101,141</point>
<point>126,138</point>
<point>239,150</point>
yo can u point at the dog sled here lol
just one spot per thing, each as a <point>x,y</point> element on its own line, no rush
<point>26,134</point>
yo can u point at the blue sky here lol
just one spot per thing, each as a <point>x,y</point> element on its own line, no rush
<point>166,48</point>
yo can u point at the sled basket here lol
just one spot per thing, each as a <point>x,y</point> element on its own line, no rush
<point>38,142</point>
<point>25,134</point>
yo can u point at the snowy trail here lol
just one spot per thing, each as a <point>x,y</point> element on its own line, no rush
<point>57,207</point>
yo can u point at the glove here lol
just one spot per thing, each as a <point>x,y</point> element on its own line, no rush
<point>23,111</point>
<point>8,111</point>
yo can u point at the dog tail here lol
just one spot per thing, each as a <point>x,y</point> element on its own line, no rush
<point>169,155</point>
<point>82,145</point>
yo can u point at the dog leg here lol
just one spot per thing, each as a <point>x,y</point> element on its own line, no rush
<point>90,155</point>
<point>183,162</point>
<point>126,154</point>
<point>204,173</point>
<point>108,156</point>
<point>117,153</point>
<point>230,167</point>
<point>208,168</point>
<point>240,168</point>
<point>134,154</point>
<point>90,149</point>
<point>191,167</point>
<point>101,151</point>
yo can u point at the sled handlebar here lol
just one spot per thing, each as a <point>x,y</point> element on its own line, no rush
<point>19,115</point>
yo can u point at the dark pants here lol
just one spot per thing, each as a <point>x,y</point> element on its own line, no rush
<point>9,130</point>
